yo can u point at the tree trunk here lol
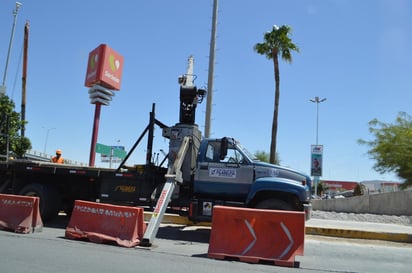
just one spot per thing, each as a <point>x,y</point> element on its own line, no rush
<point>272,158</point>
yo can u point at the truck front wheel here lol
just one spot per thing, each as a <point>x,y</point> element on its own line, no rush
<point>274,203</point>
<point>50,200</point>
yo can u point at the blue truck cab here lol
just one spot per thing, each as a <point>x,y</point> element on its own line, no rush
<point>227,174</point>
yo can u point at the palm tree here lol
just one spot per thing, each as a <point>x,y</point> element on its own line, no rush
<point>276,42</point>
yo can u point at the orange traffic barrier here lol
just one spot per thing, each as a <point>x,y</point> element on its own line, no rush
<point>257,235</point>
<point>103,223</point>
<point>20,214</point>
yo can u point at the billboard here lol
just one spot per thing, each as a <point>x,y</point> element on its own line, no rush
<point>104,67</point>
<point>316,160</point>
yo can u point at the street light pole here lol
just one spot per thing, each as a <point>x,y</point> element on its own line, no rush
<point>47,138</point>
<point>317,100</point>
<point>3,87</point>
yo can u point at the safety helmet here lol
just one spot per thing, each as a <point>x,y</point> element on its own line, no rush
<point>58,152</point>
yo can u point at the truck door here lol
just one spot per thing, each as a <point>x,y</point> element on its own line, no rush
<point>228,178</point>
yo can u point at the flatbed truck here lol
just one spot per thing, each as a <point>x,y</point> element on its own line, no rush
<point>213,171</point>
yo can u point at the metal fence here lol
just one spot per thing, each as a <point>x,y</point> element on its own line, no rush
<point>36,155</point>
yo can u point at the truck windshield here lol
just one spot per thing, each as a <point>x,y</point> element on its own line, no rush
<point>247,154</point>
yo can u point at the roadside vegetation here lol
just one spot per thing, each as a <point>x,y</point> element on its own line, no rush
<point>391,148</point>
<point>12,144</point>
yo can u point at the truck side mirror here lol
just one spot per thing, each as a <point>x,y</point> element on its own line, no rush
<point>223,148</point>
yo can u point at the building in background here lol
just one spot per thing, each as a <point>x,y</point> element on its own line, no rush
<point>335,187</point>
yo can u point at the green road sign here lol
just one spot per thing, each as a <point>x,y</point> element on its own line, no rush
<point>103,149</point>
<point>115,151</point>
<point>119,153</point>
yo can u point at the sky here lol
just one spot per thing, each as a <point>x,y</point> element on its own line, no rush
<point>356,54</point>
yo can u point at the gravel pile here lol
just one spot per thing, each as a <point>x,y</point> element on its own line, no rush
<point>363,217</point>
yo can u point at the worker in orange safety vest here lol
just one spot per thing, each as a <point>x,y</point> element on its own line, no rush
<point>58,157</point>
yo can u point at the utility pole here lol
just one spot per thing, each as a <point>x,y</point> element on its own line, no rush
<point>209,97</point>
<point>24,78</point>
<point>15,12</point>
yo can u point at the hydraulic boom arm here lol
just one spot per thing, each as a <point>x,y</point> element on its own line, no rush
<point>173,176</point>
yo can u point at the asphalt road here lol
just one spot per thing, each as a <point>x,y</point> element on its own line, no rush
<point>184,249</point>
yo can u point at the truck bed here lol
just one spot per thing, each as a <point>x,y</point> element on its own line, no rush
<point>49,167</point>
<point>66,183</point>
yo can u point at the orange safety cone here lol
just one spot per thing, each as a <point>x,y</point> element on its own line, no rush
<point>20,214</point>
<point>103,223</point>
<point>257,235</point>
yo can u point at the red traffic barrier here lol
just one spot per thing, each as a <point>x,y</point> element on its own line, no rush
<point>103,223</point>
<point>20,214</point>
<point>257,235</point>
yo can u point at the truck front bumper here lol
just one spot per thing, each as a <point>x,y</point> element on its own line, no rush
<point>308,211</point>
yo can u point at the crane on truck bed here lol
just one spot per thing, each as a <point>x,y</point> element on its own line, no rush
<point>178,148</point>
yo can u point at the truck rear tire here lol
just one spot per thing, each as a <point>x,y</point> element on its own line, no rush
<point>50,200</point>
<point>274,203</point>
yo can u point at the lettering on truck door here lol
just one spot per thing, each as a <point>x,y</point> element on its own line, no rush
<point>230,176</point>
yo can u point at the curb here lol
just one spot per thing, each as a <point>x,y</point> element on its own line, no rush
<point>309,230</point>
<point>360,234</point>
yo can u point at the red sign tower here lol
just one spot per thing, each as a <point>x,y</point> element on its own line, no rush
<point>104,74</point>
